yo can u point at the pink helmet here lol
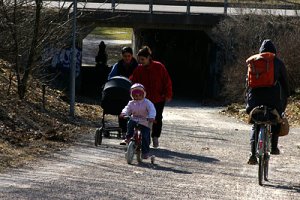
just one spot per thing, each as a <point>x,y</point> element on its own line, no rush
<point>137,88</point>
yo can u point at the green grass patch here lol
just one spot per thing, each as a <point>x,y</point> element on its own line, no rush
<point>113,33</point>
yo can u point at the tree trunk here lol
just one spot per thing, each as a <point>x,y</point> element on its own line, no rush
<point>22,87</point>
<point>21,90</point>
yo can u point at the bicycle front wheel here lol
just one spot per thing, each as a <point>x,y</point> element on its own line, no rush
<point>139,155</point>
<point>130,152</point>
<point>98,136</point>
<point>260,169</point>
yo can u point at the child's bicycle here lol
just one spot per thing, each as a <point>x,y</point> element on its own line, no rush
<point>263,117</point>
<point>135,145</point>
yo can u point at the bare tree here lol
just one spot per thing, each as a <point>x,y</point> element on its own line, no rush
<point>27,29</point>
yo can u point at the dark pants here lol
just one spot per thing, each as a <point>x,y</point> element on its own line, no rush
<point>157,126</point>
<point>274,138</point>
<point>123,124</point>
<point>145,135</point>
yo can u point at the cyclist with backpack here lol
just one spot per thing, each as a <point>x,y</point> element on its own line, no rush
<point>267,84</point>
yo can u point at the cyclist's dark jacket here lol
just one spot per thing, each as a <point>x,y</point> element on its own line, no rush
<point>275,96</point>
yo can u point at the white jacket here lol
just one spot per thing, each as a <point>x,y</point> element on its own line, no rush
<point>140,111</point>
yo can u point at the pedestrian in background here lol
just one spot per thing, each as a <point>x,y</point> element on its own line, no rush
<point>101,58</point>
<point>124,67</point>
<point>102,69</point>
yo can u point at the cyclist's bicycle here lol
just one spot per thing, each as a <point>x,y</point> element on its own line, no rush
<point>263,117</point>
<point>135,145</point>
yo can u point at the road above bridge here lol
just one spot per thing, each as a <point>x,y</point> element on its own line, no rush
<point>188,7</point>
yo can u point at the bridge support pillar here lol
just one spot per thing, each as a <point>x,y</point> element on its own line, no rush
<point>136,40</point>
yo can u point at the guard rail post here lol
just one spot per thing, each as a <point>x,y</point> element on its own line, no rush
<point>151,6</point>
<point>188,7</point>
<point>113,5</point>
<point>225,6</point>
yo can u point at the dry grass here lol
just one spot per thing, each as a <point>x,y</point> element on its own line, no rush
<point>237,110</point>
<point>27,131</point>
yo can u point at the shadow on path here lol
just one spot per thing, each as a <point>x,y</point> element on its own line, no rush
<point>162,168</point>
<point>168,154</point>
<point>283,186</point>
<point>165,153</point>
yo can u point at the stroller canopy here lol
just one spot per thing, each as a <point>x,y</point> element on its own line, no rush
<point>115,95</point>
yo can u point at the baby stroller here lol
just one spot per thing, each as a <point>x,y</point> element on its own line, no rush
<point>115,96</point>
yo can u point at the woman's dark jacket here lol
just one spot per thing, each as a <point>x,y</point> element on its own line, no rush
<point>120,69</point>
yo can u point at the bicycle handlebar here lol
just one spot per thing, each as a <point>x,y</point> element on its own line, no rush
<point>138,120</point>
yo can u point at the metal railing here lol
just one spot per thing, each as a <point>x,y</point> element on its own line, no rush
<point>188,4</point>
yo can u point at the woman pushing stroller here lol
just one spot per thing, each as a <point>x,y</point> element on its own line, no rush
<point>142,111</point>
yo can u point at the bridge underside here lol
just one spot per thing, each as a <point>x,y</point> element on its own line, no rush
<point>180,21</point>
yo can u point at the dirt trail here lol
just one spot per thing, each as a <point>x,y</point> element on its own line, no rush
<point>202,156</point>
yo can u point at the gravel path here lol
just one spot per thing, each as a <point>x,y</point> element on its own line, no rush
<point>202,156</point>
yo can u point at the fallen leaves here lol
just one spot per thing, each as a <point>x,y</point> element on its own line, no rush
<point>237,110</point>
<point>29,130</point>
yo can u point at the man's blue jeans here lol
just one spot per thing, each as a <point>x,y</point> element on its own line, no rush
<point>274,138</point>
<point>145,135</point>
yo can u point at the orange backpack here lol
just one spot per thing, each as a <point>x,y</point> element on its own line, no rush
<point>261,70</point>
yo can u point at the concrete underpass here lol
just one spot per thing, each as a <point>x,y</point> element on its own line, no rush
<point>190,57</point>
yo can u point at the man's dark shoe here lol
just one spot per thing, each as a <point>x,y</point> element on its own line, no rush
<point>252,160</point>
<point>155,142</point>
<point>275,151</point>
<point>124,142</point>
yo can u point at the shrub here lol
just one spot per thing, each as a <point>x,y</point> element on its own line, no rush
<point>240,36</point>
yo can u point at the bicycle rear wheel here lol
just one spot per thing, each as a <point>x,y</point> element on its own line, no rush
<point>260,169</point>
<point>130,152</point>
<point>139,155</point>
<point>266,167</point>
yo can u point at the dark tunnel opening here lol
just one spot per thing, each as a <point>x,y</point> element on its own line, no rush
<point>189,56</point>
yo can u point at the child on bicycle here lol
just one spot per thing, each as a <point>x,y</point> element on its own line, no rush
<point>142,111</point>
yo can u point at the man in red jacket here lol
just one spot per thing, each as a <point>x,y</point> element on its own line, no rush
<point>155,77</point>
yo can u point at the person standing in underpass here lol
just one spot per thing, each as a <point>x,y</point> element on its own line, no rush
<point>102,70</point>
<point>101,58</point>
<point>157,82</point>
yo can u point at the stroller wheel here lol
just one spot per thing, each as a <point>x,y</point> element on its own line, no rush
<point>119,134</point>
<point>106,134</point>
<point>98,136</point>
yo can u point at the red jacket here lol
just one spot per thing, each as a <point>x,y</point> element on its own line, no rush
<point>155,79</point>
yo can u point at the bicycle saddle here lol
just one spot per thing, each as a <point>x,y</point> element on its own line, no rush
<point>264,115</point>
